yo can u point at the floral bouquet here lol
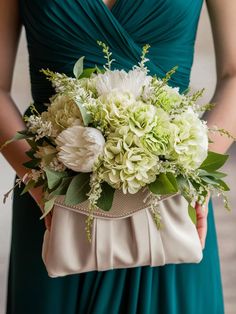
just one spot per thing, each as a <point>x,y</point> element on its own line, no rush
<point>106,130</point>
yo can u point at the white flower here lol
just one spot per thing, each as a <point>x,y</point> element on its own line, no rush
<point>62,113</point>
<point>191,143</point>
<point>37,126</point>
<point>35,175</point>
<point>79,147</point>
<point>121,81</point>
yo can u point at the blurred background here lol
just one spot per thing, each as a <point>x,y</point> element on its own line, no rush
<point>203,75</point>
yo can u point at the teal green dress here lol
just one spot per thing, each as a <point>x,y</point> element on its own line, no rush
<point>58,33</point>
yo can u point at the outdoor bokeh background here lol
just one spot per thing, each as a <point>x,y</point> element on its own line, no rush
<point>203,75</point>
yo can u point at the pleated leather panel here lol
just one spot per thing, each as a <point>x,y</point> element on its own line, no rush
<point>121,243</point>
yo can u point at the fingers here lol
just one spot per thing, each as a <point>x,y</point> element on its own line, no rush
<point>201,226</point>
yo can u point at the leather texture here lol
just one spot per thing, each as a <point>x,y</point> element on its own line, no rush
<point>120,242</point>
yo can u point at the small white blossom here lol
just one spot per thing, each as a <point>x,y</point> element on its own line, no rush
<point>35,175</point>
<point>37,126</point>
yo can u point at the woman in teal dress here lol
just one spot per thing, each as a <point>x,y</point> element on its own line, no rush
<point>58,33</point>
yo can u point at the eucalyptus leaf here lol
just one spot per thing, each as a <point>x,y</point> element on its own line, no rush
<point>32,164</point>
<point>78,67</point>
<point>62,188</point>
<point>210,180</point>
<point>88,72</point>
<point>192,214</point>
<point>18,136</point>
<point>48,206</point>
<point>215,174</point>
<point>85,115</point>
<point>31,184</point>
<point>223,185</point>
<point>30,153</point>
<point>22,135</point>
<point>214,161</point>
<point>106,199</point>
<point>165,184</point>
<point>32,143</point>
<point>54,177</point>
<point>78,189</point>
<point>218,174</point>
<point>183,185</point>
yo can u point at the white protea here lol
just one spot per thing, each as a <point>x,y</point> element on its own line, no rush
<point>79,147</point>
<point>121,81</point>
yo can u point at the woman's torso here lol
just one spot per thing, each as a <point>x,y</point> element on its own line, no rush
<point>61,31</point>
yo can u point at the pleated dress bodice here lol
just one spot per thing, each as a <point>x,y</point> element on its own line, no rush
<point>61,31</point>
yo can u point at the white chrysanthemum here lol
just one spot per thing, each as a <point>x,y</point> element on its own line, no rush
<point>79,147</point>
<point>191,143</point>
<point>122,81</point>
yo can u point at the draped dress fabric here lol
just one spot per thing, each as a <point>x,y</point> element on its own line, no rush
<point>58,33</point>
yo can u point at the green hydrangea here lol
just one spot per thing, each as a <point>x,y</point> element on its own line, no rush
<point>191,142</point>
<point>109,111</point>
<point>127,168</point>
<point>160,139</point>
<point>142,118</point>
<point>169,98</point>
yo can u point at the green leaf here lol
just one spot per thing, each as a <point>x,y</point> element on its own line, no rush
<point>30,153</point>
<point>78,67</point>
<point>184,184</point>
<point>214,161</point>
<point>54,177</point>
<point>192,214</point>
<point>216,182</point>
<point>62,188</point>
<point>21,135</point>
<point>88,72</point>
<point>218,174</point>
<point>209,180</point>
<point>215,174</point>
<point>31,184</point>
<point>32,164</point>
<point>106,198</point>
<point>164,184</point>
<point>33,144</point>
<point>48,206</point>
<point>85,115</point>
<point>78,189</point>
<point>223,185</point>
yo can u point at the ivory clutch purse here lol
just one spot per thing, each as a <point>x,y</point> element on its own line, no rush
<point>124,237</point>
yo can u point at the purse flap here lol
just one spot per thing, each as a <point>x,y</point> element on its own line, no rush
<point>124,205</point>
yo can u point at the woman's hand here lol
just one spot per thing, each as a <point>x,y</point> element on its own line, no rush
<point>37,194</point>
<point>202,212</point>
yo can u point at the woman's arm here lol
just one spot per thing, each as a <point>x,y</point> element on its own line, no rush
<point>10,117</point>
<point>222,15</point>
